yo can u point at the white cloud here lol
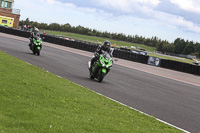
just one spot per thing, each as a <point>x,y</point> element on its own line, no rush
<point>51,1</point>
<point>153,2</point>
<point>171,20</point>
<point>181,23</point>
<point>188,5</point>
<point>128,5</point>
<point>135,17</point>
<point>147,13</point>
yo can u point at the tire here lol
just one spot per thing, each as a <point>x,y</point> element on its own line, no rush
<point>101,76</point>
<point>91,76</point>
<point>38,52</point>
<point>34,52</point>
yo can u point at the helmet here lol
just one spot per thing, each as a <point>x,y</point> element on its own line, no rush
<point>106,45</point>
<point>36,30</point>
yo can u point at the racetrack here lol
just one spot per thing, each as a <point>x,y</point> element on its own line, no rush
<point>158,92</point>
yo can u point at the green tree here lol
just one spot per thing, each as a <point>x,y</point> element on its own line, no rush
<point>189,47</point>
<point>179,46</point>
<point>42,26</point>
<point>27,22</point>
<point>167,47</point>
<point>54,26</point>
<point>36,25</point>
<point>66,27</point>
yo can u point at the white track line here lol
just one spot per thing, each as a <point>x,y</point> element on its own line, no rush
<point>144,113</point>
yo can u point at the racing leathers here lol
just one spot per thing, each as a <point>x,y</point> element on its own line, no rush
<point>98,52</point>
<point>33,35</point>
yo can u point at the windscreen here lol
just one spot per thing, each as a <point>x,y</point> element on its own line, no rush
<point>106,55</point>
<point>37,38</point>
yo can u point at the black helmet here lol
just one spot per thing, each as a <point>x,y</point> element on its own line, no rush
<point>106,45</point>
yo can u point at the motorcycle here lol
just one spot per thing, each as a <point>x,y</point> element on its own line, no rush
<point>101,67</point>
<point>36,45</point>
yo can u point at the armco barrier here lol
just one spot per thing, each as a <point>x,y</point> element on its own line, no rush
<point>123,54</point>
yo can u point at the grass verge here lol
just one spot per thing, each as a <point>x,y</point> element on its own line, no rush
<point>35,101</point>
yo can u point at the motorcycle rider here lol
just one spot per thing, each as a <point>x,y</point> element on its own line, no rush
<point>104,47</point>
<point>34,35</point>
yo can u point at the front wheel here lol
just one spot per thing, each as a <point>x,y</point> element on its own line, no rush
<point>38,52</point>
<point>34,51</point>
<point>91,76</point>
<point>101,76</point>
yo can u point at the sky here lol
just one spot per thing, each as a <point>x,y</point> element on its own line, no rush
<point>165,19</point>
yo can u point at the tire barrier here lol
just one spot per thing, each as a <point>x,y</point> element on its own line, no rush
<point>118,53</point>
<point>180,66</point>
<point>128,55</point>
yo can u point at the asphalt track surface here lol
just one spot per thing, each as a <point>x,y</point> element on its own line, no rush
<point>170,100</point>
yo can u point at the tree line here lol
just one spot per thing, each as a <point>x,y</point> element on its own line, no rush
<point>179,46</point>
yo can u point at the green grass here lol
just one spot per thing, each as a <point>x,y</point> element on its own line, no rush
<point>35,101</point>
<point>97,39</point>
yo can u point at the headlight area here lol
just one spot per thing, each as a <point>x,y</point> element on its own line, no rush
<point>102,63</point>
<point>108,65</point>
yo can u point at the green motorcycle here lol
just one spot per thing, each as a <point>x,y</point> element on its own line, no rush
<point>101,67</point>
<point>36,45</point>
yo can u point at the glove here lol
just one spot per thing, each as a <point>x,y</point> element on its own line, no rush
<point>96,55</point>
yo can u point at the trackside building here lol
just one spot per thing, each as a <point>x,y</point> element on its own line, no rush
<point>9,16</point>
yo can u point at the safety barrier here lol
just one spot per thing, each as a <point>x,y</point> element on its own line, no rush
<point>180,66</point>
<point>118,53</point>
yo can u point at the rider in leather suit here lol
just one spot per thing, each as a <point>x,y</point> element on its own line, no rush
<point>105,47</point>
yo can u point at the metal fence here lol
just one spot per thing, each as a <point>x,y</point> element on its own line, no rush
<point>16,11</point>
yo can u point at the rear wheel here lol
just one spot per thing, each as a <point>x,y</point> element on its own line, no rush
<point>101,76</point>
